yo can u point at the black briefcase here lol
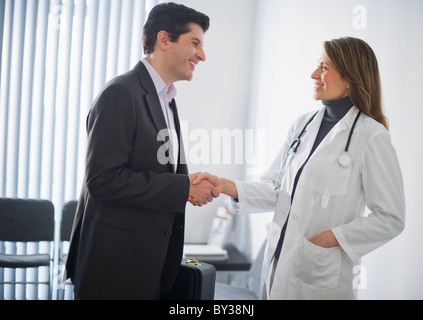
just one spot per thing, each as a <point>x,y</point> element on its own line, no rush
<point>195,281</point>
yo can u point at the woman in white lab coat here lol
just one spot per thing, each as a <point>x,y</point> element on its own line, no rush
<point>318,236</point>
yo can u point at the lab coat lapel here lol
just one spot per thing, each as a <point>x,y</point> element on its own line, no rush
<point>308,139</point>
<point>344,124</point>
<point>312,131</point>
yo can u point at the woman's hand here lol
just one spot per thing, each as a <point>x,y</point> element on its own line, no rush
<point>222,185</point>
<point>325,240</point>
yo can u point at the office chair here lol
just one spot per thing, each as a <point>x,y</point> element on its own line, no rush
<point>68,214</point>
<point>25,221</point>
<point>252,292</point>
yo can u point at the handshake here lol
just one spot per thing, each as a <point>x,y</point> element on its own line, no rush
<point>204,187</point>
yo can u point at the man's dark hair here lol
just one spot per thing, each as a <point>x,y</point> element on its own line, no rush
<point>172,18</point>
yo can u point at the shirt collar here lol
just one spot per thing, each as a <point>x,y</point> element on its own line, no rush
<point>162,90</point>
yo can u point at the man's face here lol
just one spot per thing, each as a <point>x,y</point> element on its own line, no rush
<point>186,53</point>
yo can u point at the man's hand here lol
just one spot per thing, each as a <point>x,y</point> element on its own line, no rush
<point>222,185</point>
<point>201,192</point>
<point>214,180</point>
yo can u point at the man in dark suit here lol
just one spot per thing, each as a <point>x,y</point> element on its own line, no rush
<point>128,233</point>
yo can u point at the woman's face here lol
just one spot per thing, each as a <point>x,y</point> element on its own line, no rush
<point>328,82</point>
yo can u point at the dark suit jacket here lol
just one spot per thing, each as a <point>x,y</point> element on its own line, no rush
<point>128,233</point>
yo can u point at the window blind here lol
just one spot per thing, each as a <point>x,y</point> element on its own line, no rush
<point>55,56</point>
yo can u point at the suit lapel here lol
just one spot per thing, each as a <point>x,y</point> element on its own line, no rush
<point>157,115</point>
<point>151,96</point>
<point>154,105</point>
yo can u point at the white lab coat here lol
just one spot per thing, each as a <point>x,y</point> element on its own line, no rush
<point>328,197</point>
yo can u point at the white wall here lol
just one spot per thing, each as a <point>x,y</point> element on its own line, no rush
<point>217,97</point>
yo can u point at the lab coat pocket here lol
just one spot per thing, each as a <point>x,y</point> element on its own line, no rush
<point>317,267</point>
<point>329,178</point>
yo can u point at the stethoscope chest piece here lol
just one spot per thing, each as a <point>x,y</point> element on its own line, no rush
<point>344,160</point>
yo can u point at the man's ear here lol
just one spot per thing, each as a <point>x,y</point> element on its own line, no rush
<point>163,40</point>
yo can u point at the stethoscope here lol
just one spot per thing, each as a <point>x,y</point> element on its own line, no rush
<point>344,159</point>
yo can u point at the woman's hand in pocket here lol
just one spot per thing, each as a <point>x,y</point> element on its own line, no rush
<point>325,240</point>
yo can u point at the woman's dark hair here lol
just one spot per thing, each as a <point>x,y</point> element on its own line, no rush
<point>172,18</point>
<point>356,62</point>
